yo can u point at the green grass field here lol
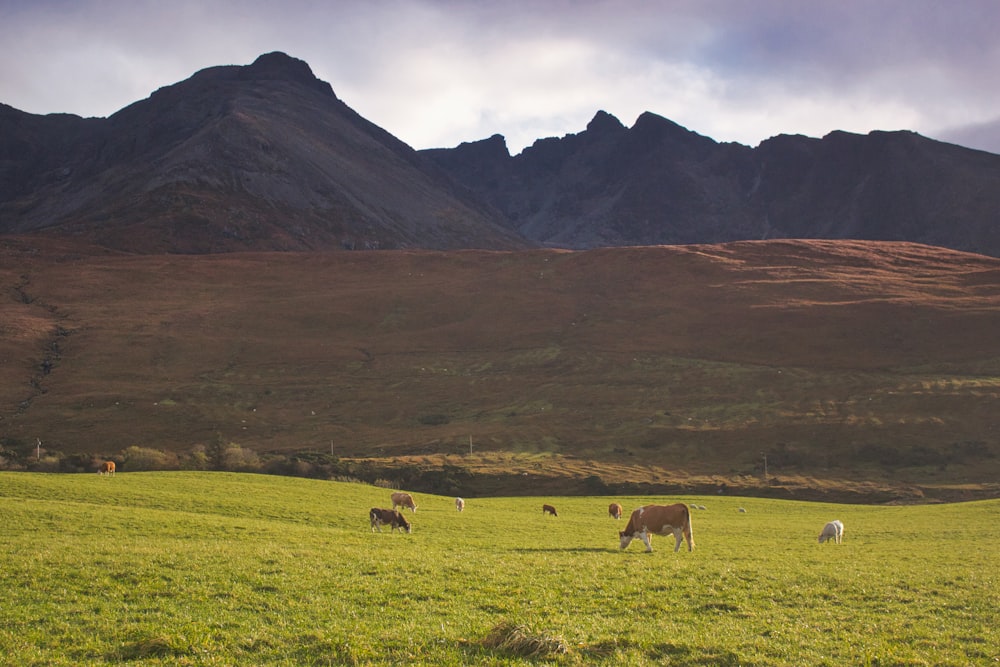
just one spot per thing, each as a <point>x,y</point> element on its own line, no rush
<point>231,569</point>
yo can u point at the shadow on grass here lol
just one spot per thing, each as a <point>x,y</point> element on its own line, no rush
<point>562,550</point>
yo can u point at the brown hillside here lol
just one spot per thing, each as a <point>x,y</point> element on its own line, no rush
<point>875,363</point>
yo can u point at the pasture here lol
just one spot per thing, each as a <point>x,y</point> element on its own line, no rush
<point>222,569</point>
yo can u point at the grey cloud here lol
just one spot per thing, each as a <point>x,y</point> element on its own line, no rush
<point>438,72</point>
<point>985,136</point>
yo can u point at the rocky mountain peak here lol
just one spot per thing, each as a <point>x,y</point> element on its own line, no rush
<point>283,67</point>
<point>603,122</point>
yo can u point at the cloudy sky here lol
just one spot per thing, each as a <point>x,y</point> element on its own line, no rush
<point>439,72</point>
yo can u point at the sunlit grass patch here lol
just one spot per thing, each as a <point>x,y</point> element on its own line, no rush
<point>223,569</point>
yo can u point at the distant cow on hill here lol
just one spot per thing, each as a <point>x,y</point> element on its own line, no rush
<point>659,520</point>
<point>378,517</point>
<point>459,504</point>
<point>403,500</point>
<point>106,468</point>
<point>549,509</point>
<point>833,530</point>
<point>615,511</point>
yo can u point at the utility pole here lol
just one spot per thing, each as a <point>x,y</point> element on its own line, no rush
<point>765,467</point>
<point>470,444</point>
<point>38,449</point>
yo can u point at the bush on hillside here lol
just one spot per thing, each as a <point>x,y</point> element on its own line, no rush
<point>137,458</point>
<point>240,459</point>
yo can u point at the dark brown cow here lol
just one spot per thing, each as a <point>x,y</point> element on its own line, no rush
<point>106,468</point>
<point>403,500</point>
<point>549,509</point>
<point>659,520</point>
<point>393,518</point>
<point>615,511</point>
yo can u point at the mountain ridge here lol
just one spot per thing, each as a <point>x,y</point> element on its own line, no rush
<point>659,183</point>
<point>265,156</point>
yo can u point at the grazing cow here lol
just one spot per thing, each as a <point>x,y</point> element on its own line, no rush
<point>833,530</point>
<point>106,468</point>
<point>403,500</point>
<point>391,517</point>
<point>659,520</point>
<point>549,509</point>
<point>615,511</point>
<point>459,504</point>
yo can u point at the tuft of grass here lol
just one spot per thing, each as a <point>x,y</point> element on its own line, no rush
<point>153,647</point>
<point>519,640</point>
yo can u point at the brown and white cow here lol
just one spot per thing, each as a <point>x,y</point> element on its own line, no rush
<point>615,511</point>
<point>378,517</point>
<point>403,500</point>
<point>459,504</point>
<point>549,509</point>
<point>106,468</point>
<point>659,520</point>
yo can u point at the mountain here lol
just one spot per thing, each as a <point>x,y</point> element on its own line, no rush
<point>263,156</point>
<point>659,183</point>
<point>266,157</point>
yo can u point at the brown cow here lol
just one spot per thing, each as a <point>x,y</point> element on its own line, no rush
<point>403,500</point>
<point>391,517</point>
<point>549,509</point>
<point>615,511</point>
<point>659,520</point>
<point>106,468</point>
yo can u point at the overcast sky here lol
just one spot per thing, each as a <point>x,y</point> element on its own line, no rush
<point>439,72</point>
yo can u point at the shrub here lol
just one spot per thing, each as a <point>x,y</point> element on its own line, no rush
<point>239,459</point>
<point>198,459</point>
<point>434,420</point>
<point>146,458</point>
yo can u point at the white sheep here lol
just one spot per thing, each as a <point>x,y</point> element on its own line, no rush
<point>834,529</point>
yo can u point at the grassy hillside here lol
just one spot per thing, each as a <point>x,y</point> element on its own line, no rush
<point>869,362</point>
<point>222,569</point>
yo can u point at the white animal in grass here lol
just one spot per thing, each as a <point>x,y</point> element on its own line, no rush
<point>832,531</point>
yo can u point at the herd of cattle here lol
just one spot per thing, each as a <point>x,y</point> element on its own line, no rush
<point>644,522</point>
